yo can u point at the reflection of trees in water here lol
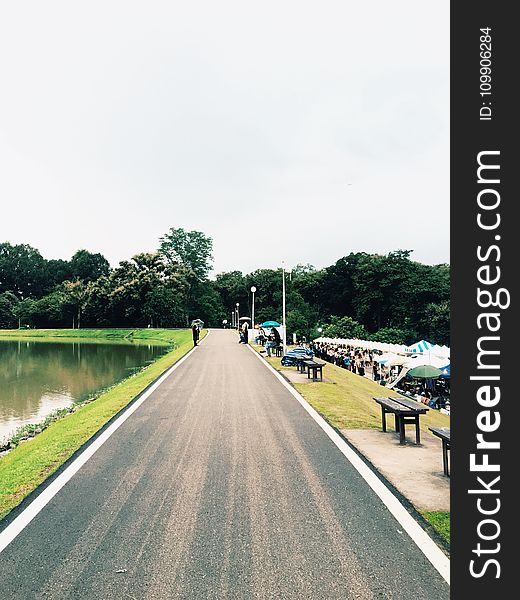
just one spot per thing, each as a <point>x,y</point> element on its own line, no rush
<point>31,370</point>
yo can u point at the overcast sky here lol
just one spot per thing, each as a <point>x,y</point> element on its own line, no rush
<point>297,131</point>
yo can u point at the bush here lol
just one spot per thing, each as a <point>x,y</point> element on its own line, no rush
<point>344,327</point>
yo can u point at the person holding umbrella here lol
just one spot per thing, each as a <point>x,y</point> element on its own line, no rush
<point>245,332</point>
<point>195,331</point>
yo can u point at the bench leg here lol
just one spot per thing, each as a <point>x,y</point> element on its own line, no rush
<point>383,418</point>
<point>417,430</point>
<point>445,458</point>
<point>402,439</point>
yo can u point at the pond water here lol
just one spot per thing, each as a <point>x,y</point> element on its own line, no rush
<point>37,377</point>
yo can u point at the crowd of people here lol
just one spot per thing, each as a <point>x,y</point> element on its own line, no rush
<point>364,362</point>
<point>356,360</point>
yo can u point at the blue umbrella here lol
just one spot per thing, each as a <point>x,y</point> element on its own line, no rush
<point>446,372</point>
<point>270,324</point>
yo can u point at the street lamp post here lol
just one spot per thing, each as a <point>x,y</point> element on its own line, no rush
<point>253,290</point>
<point>283,309</point>
<point>238,316</point>
<point>283,306</point>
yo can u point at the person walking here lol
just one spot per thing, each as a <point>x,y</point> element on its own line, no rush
<point>245,333</point>
<point>195,333</point>
<point>375,371</point>
<point>361,368</point>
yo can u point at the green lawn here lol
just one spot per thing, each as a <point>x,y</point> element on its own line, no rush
<point>346,399</point>
<point>440,521</point>
<point>28,465</point>
<point>96,335</point>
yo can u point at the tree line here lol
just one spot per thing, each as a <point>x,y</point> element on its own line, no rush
<point>384,297</point>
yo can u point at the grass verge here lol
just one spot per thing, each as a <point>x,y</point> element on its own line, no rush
<point>167,336</point>
<point>28,465</point>
<point>346,399</point>
<point>440,521</point>
<point>346,402</point>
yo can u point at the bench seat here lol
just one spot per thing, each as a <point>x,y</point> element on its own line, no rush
<point>406,412</point>
<point>314,366</point>
<point>444,433</point>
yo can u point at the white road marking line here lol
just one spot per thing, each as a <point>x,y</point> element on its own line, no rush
<point>28,514</point>
<point>423,541</point>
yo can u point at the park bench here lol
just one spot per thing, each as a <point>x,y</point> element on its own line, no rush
<point>406,412</point>
<point>314,366</point>
<point>300,364</point>
<point>444,434</point>
<point>278,350</point>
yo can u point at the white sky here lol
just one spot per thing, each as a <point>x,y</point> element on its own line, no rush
<point>326,123</point>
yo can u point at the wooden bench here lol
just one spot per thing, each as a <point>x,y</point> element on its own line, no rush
<point>312,365</point>
<point>300,364</point>
<point>444,434</point>
<point>406,412</point>
<point>278,350</point>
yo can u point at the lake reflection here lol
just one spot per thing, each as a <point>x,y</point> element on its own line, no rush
<point>38,377</point>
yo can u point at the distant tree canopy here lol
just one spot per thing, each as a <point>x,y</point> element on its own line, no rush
<point>190,248</point>
<point>384,297</point>
<point>86,266</point>
<point>22,270</point>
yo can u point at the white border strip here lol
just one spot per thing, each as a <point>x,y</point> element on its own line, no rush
<point>424,542</point>
<point>28,514</point>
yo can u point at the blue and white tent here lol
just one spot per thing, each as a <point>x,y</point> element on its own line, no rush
<point>420,347</point>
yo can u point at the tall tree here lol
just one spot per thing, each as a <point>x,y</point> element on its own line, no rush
<point>193,249</point>
<point>22,270</point>
<point>8,316</point>
<point>74,294</point>
<point>56,272</point>
<point>87,266</point>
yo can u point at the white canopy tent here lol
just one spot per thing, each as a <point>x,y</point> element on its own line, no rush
<point>366,344</point>
<point>426,359</point>
<point>422,348</point>
<point>390,359</point>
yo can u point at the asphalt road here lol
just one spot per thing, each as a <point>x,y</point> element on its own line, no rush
<point>219,486</point>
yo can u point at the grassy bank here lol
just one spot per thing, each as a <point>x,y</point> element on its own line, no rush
<point>346,401</point>
<point>164,336</point>
<point>440,521</point>
<point>29,464</point>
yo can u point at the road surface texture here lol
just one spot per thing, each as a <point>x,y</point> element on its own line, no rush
<point>219,486</point>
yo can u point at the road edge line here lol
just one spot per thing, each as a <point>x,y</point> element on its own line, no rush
<point>421,538</point>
